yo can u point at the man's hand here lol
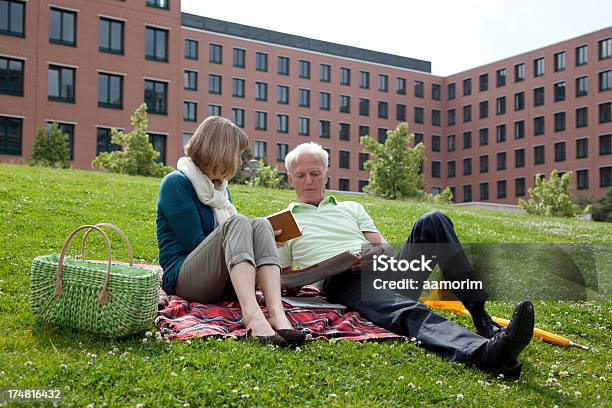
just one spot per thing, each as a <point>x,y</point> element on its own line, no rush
<point>276,234</point>
<point>365,259</point>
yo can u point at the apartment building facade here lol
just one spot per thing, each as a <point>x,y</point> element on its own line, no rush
<point>88,65</point>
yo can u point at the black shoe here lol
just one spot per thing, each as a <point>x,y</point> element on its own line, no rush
<point>485,326</point>
<point>274,339</point>
<point>501,351</point>
<point>294,337</point>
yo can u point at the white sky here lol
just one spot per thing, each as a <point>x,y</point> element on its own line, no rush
<point>453,35</point>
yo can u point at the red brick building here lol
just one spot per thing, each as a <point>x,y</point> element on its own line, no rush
<point>487,131</point>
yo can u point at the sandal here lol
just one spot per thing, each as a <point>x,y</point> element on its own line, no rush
<point>292,336</point>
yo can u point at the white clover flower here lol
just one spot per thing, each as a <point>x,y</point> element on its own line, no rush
<point>148,334</point>
<point>413,339</point>
<point>247,365</point>
<point>173,374</point>
<point>459,396</point>
<point>256,388</point>
<point>440,382</point>
<point>577,393</point>
<point>500,376</point>
<point>28,364</point>
<point>333,396</point>
<point>410,385</point>
<point>144,340</point>
<point>139,405</point>
<point>401,377</point>
<point>188,342</point>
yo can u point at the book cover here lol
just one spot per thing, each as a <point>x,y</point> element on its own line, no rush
<point>283,220</point>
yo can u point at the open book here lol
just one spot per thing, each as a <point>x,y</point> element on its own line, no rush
<point>319,271</point>
<point>283,220</point>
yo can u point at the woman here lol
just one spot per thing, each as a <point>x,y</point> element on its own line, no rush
<point>208,251</point>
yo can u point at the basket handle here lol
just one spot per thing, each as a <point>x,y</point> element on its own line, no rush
<point>126,241</point>
<point>103,298</point>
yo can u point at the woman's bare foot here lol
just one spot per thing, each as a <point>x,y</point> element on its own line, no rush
<point>278,320</point>
<point>259,326</point>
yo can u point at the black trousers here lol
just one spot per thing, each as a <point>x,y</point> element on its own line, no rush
<point>405,316</point>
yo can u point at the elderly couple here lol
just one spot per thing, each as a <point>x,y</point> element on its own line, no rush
<point>209,253</point>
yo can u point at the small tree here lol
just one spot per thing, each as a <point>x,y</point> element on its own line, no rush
<point>602,209</point>
<point>137,156</point>
<point>266,176</point>
<point>550,197</point>
<point>395,169</point>
<point>51,148</point>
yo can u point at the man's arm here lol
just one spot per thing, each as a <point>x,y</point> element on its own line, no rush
<point>375,237</point>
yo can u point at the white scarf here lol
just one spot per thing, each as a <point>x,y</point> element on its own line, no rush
<point>208,194</point>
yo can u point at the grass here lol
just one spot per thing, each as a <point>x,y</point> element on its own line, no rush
<point>39,207</point>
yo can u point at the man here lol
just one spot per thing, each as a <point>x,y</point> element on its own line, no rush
<point>332,227</point>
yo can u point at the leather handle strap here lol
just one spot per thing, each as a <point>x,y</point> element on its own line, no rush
<point>126,241</point>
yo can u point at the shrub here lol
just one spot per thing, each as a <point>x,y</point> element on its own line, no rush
<point>266,176</point>
<point>602,209</point>
<point>51,148</point>
<point>550,197</point>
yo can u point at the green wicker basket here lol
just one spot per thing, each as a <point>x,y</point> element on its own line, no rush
<point>104,298</point>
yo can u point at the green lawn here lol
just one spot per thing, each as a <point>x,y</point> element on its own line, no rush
<point>39,207</point>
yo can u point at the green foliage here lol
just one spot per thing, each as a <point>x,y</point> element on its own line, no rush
<point>443,197</point>
<point>52,149</point>
<point>266,176</point>
<point>137,156</point>
<point>602,209</point>
<point>551,197</point>
<point>395,167</point>
<point>242,176</point>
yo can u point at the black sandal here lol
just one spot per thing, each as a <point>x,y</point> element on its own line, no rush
<point>275,339</point>
<point>292,336</point>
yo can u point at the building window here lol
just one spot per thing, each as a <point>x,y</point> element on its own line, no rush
<point>559,121</point>
<point>364,79</point>
<point>467,140</point>
<point>162,4</point>
<point>436,117</point>
<point>582,56</point>
<point>215,54</point>
<point>363,158</point>
<point>261,91</point>
<point>418,114</point>
<point>484,163</point>
<point>190,80</point>
<point>467,166</point>
<point>345,131</point>
<point>383,83</point>
<point>304,70</point>
<point>238,88</point>
<point>111,36</point>
<point>500,133</point>
<point>190,111</point>
<point>304,98</point>
<point>324,73</point>
<point>13,17</point>
<point>110,91</point>
<point>605,176</point>
<point>324,100</point>
<point>450,143</point>
<point>500,77</point>
<point>214,84</point>
<point>215,110</point>
<point>345,76</point>
<point>559,91</point>
<point>260,150</point>
<point>501,105</point>
<point>261,61</point>
<point>519,158</point>
<point>11,76</point>
<point>282,94</point>
<point>400,86</point>
<point>605,81</point>
<point>344,159</point>
<point>538,153</point>
<point>239,57</point>
<point>467,113</point>
<point>519,186</point>
<point>303,126</point>
<point>435,169</point>
<point>451,169</point>
<point>483,82</point>
<point>483,136</point>
<point>282,123</point>
<point>467,193</point>
<point>605,145</point>
<point>344,184</point>
<point>191,49</point>
<point>538,96</point>
<point>519,101</point>
<point>519,129</point>
<point>450,117</point>
<point>400,112</point>
<point>10,135</point>
<point>364,107</point>
<point>67,129</point>
<point>383,110</point>
<point>345,104</point>
<point>605,48</point>
<point>104,141</point>
<point>483,108</point>
<point>582,117</point>
<point>156,97</point>
<point>582,148</point>
<point>364,130</point>
<point>451,91</point>
<point>382,136</point>
<point>324,129</point>
<point>159,144</point>
<point>501,189</point>
<point>538,67</point>
<point>582,179</point>
<point>238,117</point>
<point>519,72</point>
<point>484,191</point>
<point>538,126</point>
<point>501,161</point>
<point>418,137</point>
<point>156,44</point>
<point>435,92</point>
<point>605,112</point>
<point>61,84</point>
<point>560,151</point>
<point>419,89</point>
<point>582,86</point>
<point>261,120</point>
<point>62,27</point>
<point>281,151</point>
<point>559,61</point>
<point>436,143</point>
<point>467,86</point>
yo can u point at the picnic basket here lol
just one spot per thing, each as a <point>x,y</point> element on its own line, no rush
<point>112,299</point>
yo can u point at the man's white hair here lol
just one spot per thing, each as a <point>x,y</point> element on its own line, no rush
<point>306,148</point>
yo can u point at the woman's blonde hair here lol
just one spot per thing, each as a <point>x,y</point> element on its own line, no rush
<point>215,145</point>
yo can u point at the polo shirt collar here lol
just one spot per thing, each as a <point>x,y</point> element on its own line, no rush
<point>330,199</point>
